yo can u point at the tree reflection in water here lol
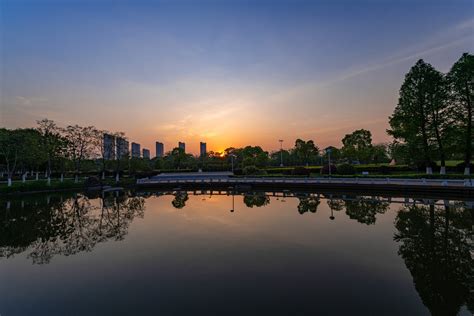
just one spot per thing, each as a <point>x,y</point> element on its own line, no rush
<point>434,242</point>
<point>180,199</point>
<point>335,205</point>
<point>256,199</point>
<point>54,226</point>
<point>308,203</point>
<point>364,209</point>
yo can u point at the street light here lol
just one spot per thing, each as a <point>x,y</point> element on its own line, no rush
<point>232,161</point>
<point>328,151</point>
<point>281,152</point>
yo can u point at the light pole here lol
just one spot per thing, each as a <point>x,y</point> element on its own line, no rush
<point>232,161</point>
<point>328,151</point>
<point>281,152</point>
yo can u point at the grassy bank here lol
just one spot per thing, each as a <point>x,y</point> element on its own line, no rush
<point>56,185</point>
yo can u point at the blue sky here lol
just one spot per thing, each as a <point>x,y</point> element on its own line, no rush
<point>227,72</point>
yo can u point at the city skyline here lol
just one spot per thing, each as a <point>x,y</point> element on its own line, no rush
<point>228,74</point>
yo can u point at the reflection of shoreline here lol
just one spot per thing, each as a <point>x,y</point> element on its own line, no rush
<point>427,188</point>
<point>436,244</point>
<point>220,189</point>
<point>434,236</point>
<point>64,226</point>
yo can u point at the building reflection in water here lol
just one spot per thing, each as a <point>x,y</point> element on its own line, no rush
<point>435,238</point>
<point>58,225</point>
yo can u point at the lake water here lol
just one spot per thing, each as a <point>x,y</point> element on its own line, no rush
<point>197,253</point>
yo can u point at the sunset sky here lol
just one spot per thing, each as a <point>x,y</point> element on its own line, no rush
<point>230,73</point>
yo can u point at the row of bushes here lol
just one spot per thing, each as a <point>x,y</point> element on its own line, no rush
<point>342,169</point>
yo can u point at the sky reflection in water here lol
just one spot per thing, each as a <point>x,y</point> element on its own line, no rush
<point>252,254</point>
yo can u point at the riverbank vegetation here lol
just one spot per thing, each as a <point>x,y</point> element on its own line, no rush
<point>431,128</point>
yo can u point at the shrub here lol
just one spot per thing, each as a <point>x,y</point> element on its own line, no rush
<point>385,169</point>
<point>325,169</point>
<point>421,166</point>
<point>460,167</point>
<point>92,182</point>
<point>252,170</point>
<point>301,171</point>
<point>345,168</point>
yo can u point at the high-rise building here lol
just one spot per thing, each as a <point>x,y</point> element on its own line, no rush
<point>160,150</point>
<point>122,148</point>
<point>146,153</point>
<point>203,149</point>
<point>182,146</point>
<point>135,150</point>
<point>109,147</point>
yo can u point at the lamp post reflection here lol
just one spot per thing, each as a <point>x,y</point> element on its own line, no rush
<point>233,203</point>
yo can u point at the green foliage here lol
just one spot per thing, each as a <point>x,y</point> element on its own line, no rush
<point>257,199</point>
<point>180,199</point>
<point>461,83</point>
<point>325,169</point>
<point>346,168</point>
<point>301,171</point>
<point>308,204</point>
<point>358,145</point>
<point>305,151</point>
<point>433,118</point>
<point>253,170</point>
<point>364,210</point>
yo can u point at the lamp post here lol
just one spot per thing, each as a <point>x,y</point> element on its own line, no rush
<point>328,151</point>
<point>281,152</point>
<point>232,161</point>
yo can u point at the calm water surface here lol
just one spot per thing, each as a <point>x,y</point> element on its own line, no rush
<point>182,253</point>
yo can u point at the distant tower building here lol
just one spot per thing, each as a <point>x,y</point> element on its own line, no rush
<point>122,148</point>
<point>109,146</point>
<point>182,146</point>
<point>135,150</point>
<point>146,153</point>
<point>160,150</point>
<point>203,149</point>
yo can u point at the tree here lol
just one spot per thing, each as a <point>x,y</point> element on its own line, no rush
<point>79,145</point>
<point>380,153</point>
<point>461,80</point>
<point>305,151</point>
<point>10,150</point>
<point>120,147</point>
<point>51,141</point>
<point>438,118</point>
<point>102,147</point>
<point>19,149</point>
<point>177,158</point>
<point>254,156</point>
<point>358,145</point>
<point>410,121</point>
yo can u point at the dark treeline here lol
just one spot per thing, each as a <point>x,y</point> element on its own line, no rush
<point>433,118</point>
<point>432,122</point>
